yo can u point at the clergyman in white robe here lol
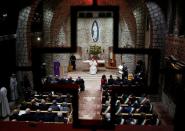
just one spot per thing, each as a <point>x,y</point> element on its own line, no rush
<point>93,67</point>
<point>13,88</point>
<point>5,108</point>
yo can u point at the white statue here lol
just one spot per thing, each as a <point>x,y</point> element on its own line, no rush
<point>4,108</point>
<point>93,66</point>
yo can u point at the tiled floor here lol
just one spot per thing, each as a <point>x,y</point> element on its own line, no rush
<point>90,105</point>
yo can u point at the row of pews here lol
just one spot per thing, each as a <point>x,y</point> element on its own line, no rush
<point>128,109</point>
<point>46,107</point>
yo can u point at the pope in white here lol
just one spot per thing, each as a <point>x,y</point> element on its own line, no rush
<point>93,66</point>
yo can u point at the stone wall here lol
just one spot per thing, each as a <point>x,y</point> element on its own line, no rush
<point>47,17</point>
<point>22,49</point>
<point>157,25</point>
<point>175,46</point>
<point>170,106</point>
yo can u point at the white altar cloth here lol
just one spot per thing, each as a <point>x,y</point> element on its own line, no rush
<point>99,61</point>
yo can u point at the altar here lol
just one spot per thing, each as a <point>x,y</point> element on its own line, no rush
<point>100,62</point>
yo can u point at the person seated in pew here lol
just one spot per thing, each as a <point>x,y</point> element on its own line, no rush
<point>145,108</point>
<point>105,105</point>
<point>106,108</point>
<point>68,99</point>
<point>106,97</point>
<point>127,100</point>
<point>154,120</point>
<point>59,98</point>
<point>122,98</point>
<point>27,116</point>
<point>144,98</point>
<point>125,109</point>
<point>130,120</point>
<point>54,106</point>
<point>60,117</point>
<point>49,98</point>
<point>118,81</point>
<point>38,116</point>
<point>111,80</point>
<point>118,108</point>
<point>70,80</point>
<point>43,105</point>
<point>132,99</point>
<point>107,119</point>
<point>15,115</point>
<point>49,116</point>
<point>62,81</point>
<point>119,120</point>
<point>64,107</point>
<point>135,104</point>
<point>142,119</point>
<point>33,105</point>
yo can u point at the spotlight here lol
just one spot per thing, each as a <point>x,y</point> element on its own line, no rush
<point>38,38</point>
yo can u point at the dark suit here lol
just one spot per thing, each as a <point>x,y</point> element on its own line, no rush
<point>73,61</point>
<point>80,81</point>
<point>55,107</point>
<point>60,119</point>
<point>110,81</point>
<point>43,106</point>
<point>49,117</point>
